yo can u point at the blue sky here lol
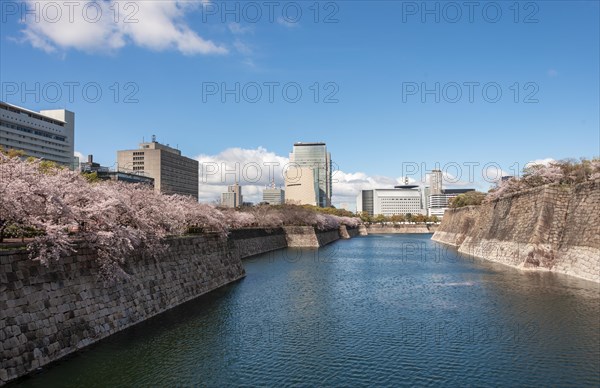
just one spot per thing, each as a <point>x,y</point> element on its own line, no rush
<point>370,55</point>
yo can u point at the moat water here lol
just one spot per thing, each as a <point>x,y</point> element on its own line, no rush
<point>381,310</point>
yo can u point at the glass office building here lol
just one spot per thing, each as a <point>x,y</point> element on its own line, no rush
<point>315,157</point>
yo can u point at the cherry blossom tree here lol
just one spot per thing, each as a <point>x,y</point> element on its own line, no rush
<point>62,212</point>
<point>566,172</point>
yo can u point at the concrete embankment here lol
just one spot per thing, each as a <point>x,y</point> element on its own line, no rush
<point>551,228</point>
<point>47,313</point>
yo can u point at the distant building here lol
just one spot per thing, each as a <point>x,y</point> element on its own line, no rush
<point>228,200</point>
<point>233,197</point>
<point>47,134</point>
<point>436,182</point>
<point>364,202</point>
<point>76,163</point>
<point>408,199</point>
<point>273,195</point>
<point>426,194</point>
<point>439,203</point>
<point>308,180</point>
<point>172,172</point>
<point>91,166</point>
<point>126,177</point>
<point>390,202</point>
<point>104,173</point>
<point>301,186</point>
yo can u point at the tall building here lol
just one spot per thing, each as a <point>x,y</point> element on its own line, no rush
<point>436,182</point>
<point>308,181</point>
<point>426,194</point>
<point>47,134</point>
<point>273,195</point>
<point>172,172</point>
<point>364,202</point>
<point>233,197</point>
<point>301,186</point>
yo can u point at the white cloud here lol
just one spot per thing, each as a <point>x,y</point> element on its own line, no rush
<point>290,23</point>
<point>239,29</point>
<point>252,168</point>
<point>242,47</point>
<point>97,27</point>
<point>249,62</point>
<point>545,162</point>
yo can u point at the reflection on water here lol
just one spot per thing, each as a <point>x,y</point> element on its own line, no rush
<point>383,310</point>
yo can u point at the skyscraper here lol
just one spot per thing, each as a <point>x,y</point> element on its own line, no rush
<point>308,181</point>
<point>436,182</point>
<point>233,196</point>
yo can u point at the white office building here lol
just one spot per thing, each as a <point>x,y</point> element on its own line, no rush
<point>273,196</point>
<point>390,202</point>
<point>47,134</point>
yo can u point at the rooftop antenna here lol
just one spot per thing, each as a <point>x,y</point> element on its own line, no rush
<point>153,138</point>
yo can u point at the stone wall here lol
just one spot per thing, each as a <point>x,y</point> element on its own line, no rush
<point>362,230</point>
<point>47,313</point>
<point>402,228</point>
<point>353,232</point>
<point>344,232</point>
<point>250,242</point>
<point>327,237</point>
<point>307,236</point>
<point>347,232</point>
<point>551,228</point>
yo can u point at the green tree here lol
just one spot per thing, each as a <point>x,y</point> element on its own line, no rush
<point>471,198</point>
<point>420,218</point>
<point>12,153</point>
<point>91,177</point>
<point>397,218</point>
<point>380,218</point>
<point>365,217</point>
